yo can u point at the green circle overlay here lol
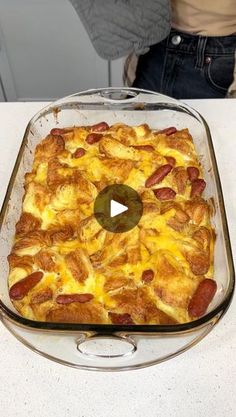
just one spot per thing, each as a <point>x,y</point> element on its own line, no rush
<point>125,195</point>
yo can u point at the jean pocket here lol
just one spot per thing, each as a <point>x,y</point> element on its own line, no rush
<point>219,72</point>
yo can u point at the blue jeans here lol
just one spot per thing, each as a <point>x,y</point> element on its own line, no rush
<point>188,66</point>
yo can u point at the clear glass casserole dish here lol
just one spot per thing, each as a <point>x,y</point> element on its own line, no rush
<point>115,347</point>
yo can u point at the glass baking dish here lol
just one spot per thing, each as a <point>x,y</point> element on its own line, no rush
<point>115,347</point>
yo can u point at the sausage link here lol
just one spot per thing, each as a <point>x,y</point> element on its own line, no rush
<point>158,175</point>
<point>100,127</point>
<point>21,288</point>
<point>165,193</point>
<point>148,275</point>
<point>171,160</point>
<point>193,173</point>
<point>202,297</point>
<point>57,131</point>
<point>73,298</point>
<point>93,138</point>
<point>198,186</point>
<point>79,153</point>
<point>148,148</point>
<point>168,131</point>
<point>121,318</point>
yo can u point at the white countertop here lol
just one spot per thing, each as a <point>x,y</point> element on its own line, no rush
<point>198,383</point>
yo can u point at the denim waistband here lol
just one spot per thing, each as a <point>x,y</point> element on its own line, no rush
<point>213,45</point>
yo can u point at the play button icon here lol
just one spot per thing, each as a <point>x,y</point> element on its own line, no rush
<point>118,208</point>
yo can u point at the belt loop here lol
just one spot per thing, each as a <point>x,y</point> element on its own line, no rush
<point>201,47</point>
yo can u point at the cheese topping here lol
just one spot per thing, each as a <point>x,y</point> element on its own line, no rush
<point>91,275</point>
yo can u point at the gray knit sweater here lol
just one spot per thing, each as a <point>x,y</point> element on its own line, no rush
<point>118,27</point>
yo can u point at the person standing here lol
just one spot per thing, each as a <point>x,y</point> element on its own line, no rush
<point>197,58</point>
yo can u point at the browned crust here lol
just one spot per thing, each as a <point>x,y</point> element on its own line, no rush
<point>78,264</point>
<point>134,276</point>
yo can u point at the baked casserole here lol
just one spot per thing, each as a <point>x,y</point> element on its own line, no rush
<point>64,267</point>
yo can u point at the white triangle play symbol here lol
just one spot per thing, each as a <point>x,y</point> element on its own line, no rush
<point>117,208</point>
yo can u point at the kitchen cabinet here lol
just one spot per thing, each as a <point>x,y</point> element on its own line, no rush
<point>45,52</point>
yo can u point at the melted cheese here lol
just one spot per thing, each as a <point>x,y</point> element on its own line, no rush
<point>41,174</point>
<point>62,199</point>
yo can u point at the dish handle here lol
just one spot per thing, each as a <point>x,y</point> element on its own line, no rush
<point>106,346</point>
<point>117,351</point>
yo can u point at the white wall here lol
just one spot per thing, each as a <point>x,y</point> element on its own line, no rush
<point>45,52</point>
<point>117,72</point>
